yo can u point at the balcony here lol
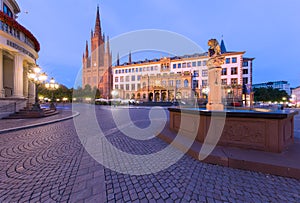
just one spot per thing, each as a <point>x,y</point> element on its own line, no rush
<point>13,28</point>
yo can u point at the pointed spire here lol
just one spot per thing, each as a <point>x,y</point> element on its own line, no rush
<point>107,45</point>
<point>97,24</point>
<point>222,46</point>
<point>86,49</point>
<point>129,57</point>
<point>118,59</point>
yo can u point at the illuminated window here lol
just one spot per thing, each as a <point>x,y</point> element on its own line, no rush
<point>234,81</point>
<point>224,81</point>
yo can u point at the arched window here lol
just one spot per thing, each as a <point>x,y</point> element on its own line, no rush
<point>144,84</point>
<point>186,83</point>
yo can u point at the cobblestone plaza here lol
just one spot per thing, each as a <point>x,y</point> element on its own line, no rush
<point>49,164</point>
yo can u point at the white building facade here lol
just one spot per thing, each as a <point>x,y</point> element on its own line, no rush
<point>18,53</point>
<point>173,78</point>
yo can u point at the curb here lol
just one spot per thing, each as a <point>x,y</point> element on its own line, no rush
<point>39,124</point>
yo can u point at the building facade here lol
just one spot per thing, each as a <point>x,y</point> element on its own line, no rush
<point>182,78</point>
<point>97,64</point>
<point>281,85</point>
<point>18,53</point>
<point>295,96</point>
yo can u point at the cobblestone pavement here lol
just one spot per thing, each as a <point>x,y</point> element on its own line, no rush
<point>49,164</point>
<point>12,123</point>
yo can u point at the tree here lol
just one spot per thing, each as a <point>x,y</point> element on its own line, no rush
<point>269,94</point>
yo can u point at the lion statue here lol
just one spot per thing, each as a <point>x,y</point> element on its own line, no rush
<point>214,48</point>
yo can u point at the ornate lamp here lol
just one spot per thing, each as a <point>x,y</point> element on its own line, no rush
<point>52,85</point>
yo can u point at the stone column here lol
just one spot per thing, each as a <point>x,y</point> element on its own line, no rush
<point>2,94</point>
<point>18,77</point>
<point>214,84</point>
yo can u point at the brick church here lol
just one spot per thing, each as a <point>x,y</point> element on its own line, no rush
<point>97,63</point>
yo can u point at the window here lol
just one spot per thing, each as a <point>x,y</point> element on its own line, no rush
<point>129,70</point>
<point>122,87</point>
<point>179,65</point>
<point>148,68</point>
<point>116,79</point>
<point>245,64</point>
<point>7,11</point>
<point>122,79</point>
<point>126,71</point>
<point>174,65</point>
<point>144,84</point>
<point>164,83</point>
<point>227,60</point>
<point>133,78</point>
<point>127,86</point>
<point>138,78</point>
<point>122,70</point>
<point>234,81</point>
<point>204,73</point>
<point>132,87</point>
<point>186,83</point>
<point>198,63</point>
<point>127,78</point>
<point>151,68</point>
<point>234,60</point>
<point>116,71</point>
<point>245,81</point>
<point>234,71</point>
<point>116,87</point>
<point>204,63</point>
<point>224,81</point>
<point>189,64</point>
<point>204,83</point>
<point>245,71</point>
<point>119,71</point>
<point>141,69</point>
<point>196,73</point>
<point>195,84</point>
<point>171,83</point>
<point>194,64</point>
<point>183,65</point>
<point>138,86</point>
<point>178,83</point>
<point>224,71</point>
<point>132,70</point>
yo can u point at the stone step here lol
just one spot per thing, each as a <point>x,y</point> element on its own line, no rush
<point>32,114</point>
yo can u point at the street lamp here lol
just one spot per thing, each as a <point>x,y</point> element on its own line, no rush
<point>37,77</point>
<point>52,86</point>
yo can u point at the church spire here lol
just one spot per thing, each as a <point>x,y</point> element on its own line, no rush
<point>97,24</point>
<point>129,57</point>
<point>107,45</point>
<point>118,59</point>
<point>222,46</point>
<point>86,49</point>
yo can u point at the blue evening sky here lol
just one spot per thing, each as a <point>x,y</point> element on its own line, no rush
<point>267,30</point>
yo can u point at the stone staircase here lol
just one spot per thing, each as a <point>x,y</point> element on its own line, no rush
<point>29,113</point>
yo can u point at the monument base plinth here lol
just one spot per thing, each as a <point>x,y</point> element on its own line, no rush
<point>215,107</point>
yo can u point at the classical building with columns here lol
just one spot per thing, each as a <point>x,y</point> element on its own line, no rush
<point>18,53</point>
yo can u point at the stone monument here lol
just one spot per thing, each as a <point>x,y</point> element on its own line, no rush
<point>214,64</point>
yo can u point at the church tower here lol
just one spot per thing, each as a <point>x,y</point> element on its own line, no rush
<point>97,66</point>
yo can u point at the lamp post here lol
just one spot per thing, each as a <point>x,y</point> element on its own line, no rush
<point>37,77</point>
<point>52,85</point>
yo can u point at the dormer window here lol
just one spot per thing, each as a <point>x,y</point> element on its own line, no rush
<point>7,11</point>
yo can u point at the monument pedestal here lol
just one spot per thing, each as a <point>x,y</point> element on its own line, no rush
<point>214,83</point>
